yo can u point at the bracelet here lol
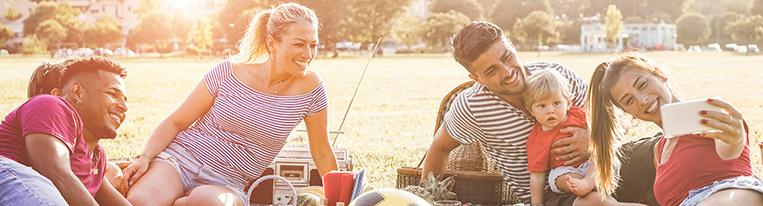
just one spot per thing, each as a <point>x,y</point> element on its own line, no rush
<point>141,155</point>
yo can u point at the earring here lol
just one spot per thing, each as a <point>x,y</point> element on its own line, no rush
<point>637,122</point>
<point>78,101</point>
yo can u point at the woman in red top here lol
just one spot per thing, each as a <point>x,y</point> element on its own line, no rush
<point>709,168</point>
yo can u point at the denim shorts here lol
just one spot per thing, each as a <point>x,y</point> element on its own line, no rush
<point>21,185</point>
<point>696,196</point>
<point>194,173</point>
<point>559,171</point>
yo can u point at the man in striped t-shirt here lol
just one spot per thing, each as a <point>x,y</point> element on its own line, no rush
<point>493,114</point>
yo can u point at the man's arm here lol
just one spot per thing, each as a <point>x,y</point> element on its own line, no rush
<point>437,156</point>
<point>537,182</point>
<point>108,195</point>
<point>51,159</point>
<point>574,149</point>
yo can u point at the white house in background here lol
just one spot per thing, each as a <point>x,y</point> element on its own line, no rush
<point>650,36</point>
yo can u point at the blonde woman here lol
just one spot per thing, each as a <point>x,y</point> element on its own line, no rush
<point>238,118</point>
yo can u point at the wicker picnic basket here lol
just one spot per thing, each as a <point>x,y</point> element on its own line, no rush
<point>470,186</point>
<point>476,178</point>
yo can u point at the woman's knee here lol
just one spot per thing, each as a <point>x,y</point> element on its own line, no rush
<point>211,195</point>
<point>161,185</point>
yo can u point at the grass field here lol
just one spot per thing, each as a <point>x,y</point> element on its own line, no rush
<point>391,122</point>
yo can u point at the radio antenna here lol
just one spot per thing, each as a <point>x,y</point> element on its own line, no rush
<point>371,56</point>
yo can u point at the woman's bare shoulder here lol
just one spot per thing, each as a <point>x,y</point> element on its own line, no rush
<point>310,81</point>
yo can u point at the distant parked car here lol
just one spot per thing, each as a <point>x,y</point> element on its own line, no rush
<point>694,48</point>
<point>742,49</point>
<point>753,48</point>
<point>388,48</point>
<point>84,52</point>
<point>124,52</point>
<point>679,47</point>
<point>104,52</point>
<point>714,47</point>
<point>731,47</point>
<point>347,45</point>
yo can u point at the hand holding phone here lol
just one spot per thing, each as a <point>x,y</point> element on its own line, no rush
<point>683,118</point>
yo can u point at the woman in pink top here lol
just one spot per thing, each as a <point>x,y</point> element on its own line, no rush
<point>237,119</point>
<point>710,168</point>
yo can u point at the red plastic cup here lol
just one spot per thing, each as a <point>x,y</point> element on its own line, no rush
<point>337,186</point>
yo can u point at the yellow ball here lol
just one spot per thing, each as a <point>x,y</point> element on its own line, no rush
<point>388,197</point>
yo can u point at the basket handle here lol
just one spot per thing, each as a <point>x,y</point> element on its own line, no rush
<point>268,177</point>
<point>425,156</point>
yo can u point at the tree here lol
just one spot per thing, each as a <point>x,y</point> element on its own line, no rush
<point>153,30</point>
<point>570,9</point>
<point>747,29</point>
<point>407,30</point>
<point>507,12</point>
<point>717,6</point>
<point>105,30</point>
<point>757,7</point>
<point>64,14</point>
<point>612,23</point>
<point>470,8</point>
<point>335,19</point>
<point>593,7</point>
<point>487,6</point>
<point>441,26</point>
<point>570,31</point>
<point>12,14</point>
<point>32,45</point>
<point>201,37</point>
<point>236,15</point>
<point>719,24</point>
<point>630,7</point>
<point>51,32</point>
<point>668,10</point>
<point>371,18</point>
<point>5,34</point>
<point>692,28</point>
<point>538,27</point>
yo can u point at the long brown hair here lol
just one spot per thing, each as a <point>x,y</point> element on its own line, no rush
<point>604,127</point>
<point>45,78</point>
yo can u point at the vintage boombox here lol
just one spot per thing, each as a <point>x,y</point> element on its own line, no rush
<point>294,163</point>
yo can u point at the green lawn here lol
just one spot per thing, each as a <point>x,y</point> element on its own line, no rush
<point>391,122</point>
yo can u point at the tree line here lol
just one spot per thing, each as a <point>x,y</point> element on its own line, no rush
<point>528,22</point>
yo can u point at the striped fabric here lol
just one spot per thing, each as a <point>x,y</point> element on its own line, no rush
<point>245,129</point>
<point>478,115</point>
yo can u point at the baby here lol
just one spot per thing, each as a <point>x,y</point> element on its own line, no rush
<point>549,101</point>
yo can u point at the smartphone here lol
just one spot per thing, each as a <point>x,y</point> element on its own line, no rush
<point>683,118</point>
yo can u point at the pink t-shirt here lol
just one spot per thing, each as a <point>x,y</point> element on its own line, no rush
<point>53,116</point>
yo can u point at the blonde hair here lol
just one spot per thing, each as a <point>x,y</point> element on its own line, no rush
<point>604,127</point>
<point>545,84</point>
<point>271,22</point>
